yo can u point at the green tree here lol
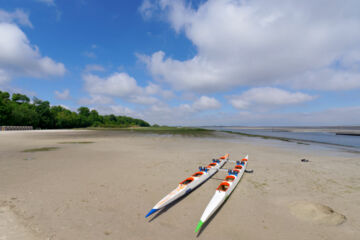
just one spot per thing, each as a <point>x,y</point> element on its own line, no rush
<point>46,118</point>
<point>20,98</point>
<point>18,110</point>
<point>24,115</point>
<point>5,109</point>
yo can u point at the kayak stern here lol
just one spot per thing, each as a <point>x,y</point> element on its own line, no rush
<point>199,226</point>
<point>151,212</point>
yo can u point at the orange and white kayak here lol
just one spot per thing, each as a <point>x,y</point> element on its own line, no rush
<point>191,183</point>
<point>223,191</point>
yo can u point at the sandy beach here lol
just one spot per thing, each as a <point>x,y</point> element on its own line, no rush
<point>100,184</point>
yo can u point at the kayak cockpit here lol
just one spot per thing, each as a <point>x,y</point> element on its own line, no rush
<point>238,167</point>
<point>198,174</point>
<point>211,165</point>
<point>224,157</point>
<point>187,181</point>
<point>224,186</point>
<point>230,178</point>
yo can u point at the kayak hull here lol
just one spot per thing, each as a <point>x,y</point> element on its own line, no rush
<point>183,189</point>
<point>220,195</point>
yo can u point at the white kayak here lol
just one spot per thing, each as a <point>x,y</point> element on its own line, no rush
<point>190,183</point>
<point>223,191</point>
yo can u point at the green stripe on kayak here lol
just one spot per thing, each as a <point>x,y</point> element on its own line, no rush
<point>199,226</point>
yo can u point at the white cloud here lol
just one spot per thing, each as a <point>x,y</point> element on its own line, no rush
<point>117,85</point>
<point>268,98</point>
<point>326,117</point>
<point>162,113</point>
<point>95,100</point>
<point>206,103</point>
<point>327,79</point>
<point>4,77</point>
<point>19,58</point>
<point>143,99</point>
<point>258,42</point>
<point>117,110</point>
<point>18,16</point>
<point>94,68</point>
<point>154,89</point>
<point>147,8</point>
<point>123,86</point>
<point>47,2</point>
<point>65,95</point>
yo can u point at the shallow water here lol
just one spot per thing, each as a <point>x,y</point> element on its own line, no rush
<point>323,137</point>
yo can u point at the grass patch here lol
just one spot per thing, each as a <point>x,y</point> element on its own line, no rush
<point>164,130</point>
<point>44,149</point>
<point>84,142</point>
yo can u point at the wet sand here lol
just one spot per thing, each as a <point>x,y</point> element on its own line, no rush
<point>100,185</point>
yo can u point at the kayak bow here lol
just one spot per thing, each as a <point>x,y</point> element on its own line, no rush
<point>223,191</point>
<point>190,183</point>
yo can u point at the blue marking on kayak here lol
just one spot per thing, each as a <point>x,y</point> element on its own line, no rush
<point>187,191</point>
<point>151,212</point>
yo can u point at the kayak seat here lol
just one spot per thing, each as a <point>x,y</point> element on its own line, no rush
<point>225,156</point>
<point>230,178</point>
<point>244,160</point>
<point>224,186</point>
<point>212,165</point>
<point>197,174</point>
<point>238,167</point>
<point>187,181</point>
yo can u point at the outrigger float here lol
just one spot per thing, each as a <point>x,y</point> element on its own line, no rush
<point>190,183</point>
<point>223,191</point>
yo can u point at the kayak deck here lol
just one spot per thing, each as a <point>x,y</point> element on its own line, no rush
<point>223,191</point>
<point>190,183</point>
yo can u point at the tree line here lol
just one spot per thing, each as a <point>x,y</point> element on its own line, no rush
<point>17,110</point>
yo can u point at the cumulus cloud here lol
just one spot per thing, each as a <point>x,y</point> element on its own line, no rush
<point>95,100</point>
<point>117,85</point>
<point>4,77</point>
<point>123,86</point>
<point>253,43</point>
<point>117,110</point>
<point>154,89</point>
<point>19,58</point>
<point>65,95</point>
<point>147,8</point>
<point>18,16</point>
<point>268,98</point>
<point>326,117</point>
<point>183,111</point>
<point>206,103</point>
<point>327,79</point>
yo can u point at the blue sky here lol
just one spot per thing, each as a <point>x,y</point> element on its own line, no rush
<point>188,62</point>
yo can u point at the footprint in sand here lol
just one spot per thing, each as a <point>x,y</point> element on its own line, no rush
<point>316,213</point>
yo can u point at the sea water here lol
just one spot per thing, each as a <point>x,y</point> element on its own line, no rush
<point>321,136</point>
